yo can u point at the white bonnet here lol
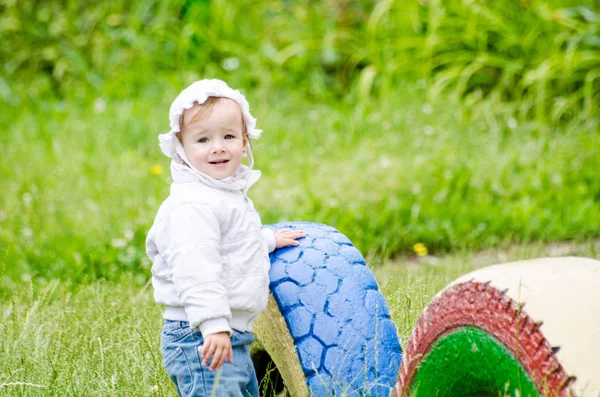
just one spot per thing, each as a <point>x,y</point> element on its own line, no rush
<point>199,92</point>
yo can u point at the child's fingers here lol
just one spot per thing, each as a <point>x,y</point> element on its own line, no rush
<point>286,242</point>
<point>207,352</point>
<point>230,354</point>
<point>288,237</point>
<point>292,232</point>
<point>218,359</point>
<point>214,364</point>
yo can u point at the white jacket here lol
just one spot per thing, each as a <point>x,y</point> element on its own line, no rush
<point>209,254</point>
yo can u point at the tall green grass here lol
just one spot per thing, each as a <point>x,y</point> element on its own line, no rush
<point>79,194</point>
<point>62,339</point>
<point>96,340</point>
<point>456,124</point>
<point>542,54</point>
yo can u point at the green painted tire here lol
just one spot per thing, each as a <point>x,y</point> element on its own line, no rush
<point>526,328</point>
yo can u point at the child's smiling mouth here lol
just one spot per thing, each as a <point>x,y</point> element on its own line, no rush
<point>219,162</point>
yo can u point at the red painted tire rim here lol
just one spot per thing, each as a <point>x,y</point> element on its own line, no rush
<point>482,306</point>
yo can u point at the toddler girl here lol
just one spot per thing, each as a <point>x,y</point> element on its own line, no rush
<point>207,245</point>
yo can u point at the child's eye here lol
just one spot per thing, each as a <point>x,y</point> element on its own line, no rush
<point>203,140</point>
<point>229,136</point>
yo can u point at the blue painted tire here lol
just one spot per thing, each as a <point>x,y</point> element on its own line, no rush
<point>337,317</point>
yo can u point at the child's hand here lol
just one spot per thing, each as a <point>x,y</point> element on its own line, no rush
<point>287,237</point>
<point>218,345</point>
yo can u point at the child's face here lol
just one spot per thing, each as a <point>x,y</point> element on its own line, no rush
<point>215,144</point>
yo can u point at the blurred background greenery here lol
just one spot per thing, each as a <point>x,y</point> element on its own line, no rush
<point>466,129</point>
<point>440,125</point>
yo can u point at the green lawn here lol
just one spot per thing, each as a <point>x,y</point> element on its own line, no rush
<point>102,339</point>
<point>457,125</point>
<point>79,192</point>
<point>465,129</point>
<point>82,181</point>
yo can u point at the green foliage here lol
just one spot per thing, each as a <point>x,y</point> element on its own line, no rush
<point>80,195</point>
<point>542,55</point>
<point>545,59</point>
<point>450,123</point>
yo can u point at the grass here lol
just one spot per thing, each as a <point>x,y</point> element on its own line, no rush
<point>456,125</point>
<point>103,338</point>
<point>409,283</point>
<point>80,194</point>
<point>451,124</point>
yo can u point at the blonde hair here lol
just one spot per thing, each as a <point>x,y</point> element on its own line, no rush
<point>205,110</point>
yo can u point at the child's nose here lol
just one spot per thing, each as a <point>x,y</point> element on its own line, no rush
<point>218,146</point>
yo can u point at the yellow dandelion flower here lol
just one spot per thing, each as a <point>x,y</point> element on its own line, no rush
<point>420,249</point>
<point>157,169</point>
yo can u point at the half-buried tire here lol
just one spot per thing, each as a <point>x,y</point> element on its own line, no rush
<point>528,328</point>
<point>327,329</point>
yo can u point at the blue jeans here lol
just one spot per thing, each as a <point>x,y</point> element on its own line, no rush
<point>181,358</point>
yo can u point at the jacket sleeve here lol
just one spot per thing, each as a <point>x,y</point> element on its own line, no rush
<point>193,257</point>
<point>269,237</point>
